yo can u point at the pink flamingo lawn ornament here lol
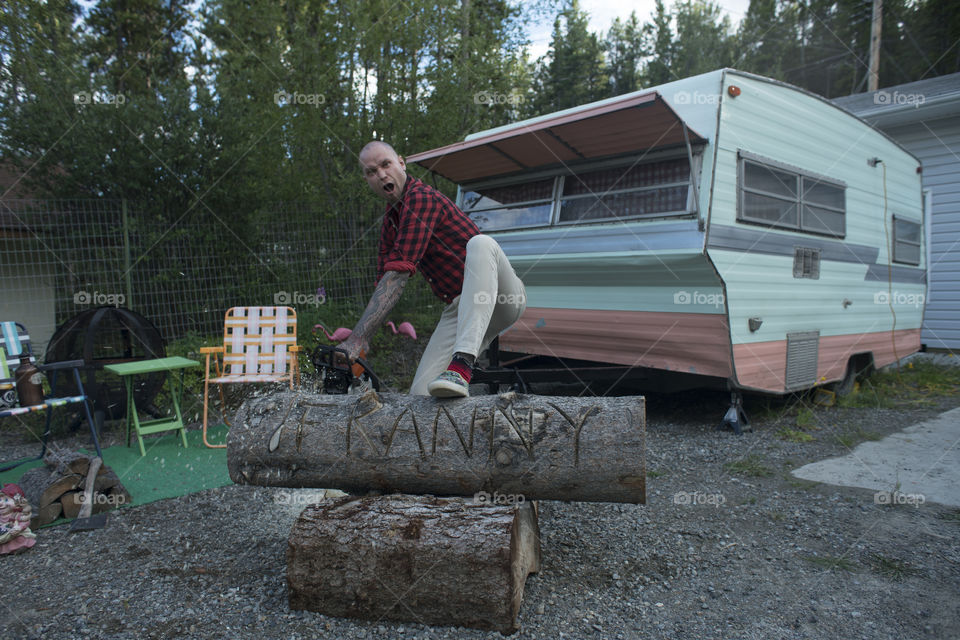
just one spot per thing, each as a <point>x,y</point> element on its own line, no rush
<point>339,335</point>
<point>405,329</point>
<point>342,333</point>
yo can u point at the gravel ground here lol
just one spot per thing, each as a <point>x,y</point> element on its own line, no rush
<point>745,552</point>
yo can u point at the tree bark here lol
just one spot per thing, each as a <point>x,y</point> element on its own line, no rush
<point>106,479</point>
<point>538,447</point>
<point>66,462</point>
<point>42,486</point>
<point>437,561</point>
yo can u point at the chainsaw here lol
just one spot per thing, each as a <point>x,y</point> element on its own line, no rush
<point>339,378</point>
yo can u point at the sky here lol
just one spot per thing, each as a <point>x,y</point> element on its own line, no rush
<point>603,12</point>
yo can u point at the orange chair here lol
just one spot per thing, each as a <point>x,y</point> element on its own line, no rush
<point>259,345</point>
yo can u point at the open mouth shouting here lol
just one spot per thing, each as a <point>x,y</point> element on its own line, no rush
<point>384,170</point>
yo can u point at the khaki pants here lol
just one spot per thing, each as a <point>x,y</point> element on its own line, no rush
<point>492,299</point>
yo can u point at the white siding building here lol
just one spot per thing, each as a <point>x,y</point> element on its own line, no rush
<point>924,117</point>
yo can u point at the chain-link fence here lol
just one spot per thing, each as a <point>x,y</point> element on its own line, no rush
<point>182,272</point>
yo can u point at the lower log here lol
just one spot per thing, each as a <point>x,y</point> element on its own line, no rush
<point>436,561</point>
<point>493,447</point>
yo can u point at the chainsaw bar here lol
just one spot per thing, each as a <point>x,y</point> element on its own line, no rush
<point>339,378</point>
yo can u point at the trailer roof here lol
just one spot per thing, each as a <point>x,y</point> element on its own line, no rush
<point>634,123</point>
<point>923,100</point>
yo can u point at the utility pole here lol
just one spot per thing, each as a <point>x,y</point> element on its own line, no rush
<point>873,82</point>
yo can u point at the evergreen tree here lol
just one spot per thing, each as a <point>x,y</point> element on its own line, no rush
<point>40,73</point>
<point>769,39</point>
<point>659,46</point>
<point>703,42</point>
<point>624,48</point>
<point>573,71</point>
<point>933,30</point>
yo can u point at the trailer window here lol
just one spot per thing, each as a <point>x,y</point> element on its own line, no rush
<point>650,189</point>
<point>906,241</point>
<point>508,206</point>
<point>823,207</point>
<point>777,196</point>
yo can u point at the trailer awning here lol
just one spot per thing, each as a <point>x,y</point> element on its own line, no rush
<point>635,124</point>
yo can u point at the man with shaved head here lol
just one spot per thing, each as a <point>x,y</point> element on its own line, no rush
<point>424,231</point>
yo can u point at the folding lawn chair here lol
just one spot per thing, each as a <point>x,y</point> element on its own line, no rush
<point>14,340</point>
<point>259,345</point>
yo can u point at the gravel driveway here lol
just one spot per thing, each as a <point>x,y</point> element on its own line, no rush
<point>728,546</point>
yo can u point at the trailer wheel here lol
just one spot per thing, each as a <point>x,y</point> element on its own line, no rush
<point>858,367</point>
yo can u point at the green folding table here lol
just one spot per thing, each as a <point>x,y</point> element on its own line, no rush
<point>128,370</point>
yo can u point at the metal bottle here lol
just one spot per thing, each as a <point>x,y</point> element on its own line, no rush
<point>29,382</point>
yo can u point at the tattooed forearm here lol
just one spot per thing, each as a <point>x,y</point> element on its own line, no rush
<point>381,303</point>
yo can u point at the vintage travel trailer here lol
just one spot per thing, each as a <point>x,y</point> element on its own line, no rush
<point>725,228</point>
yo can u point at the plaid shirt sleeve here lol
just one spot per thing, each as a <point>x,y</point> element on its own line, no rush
<point>419,214</point>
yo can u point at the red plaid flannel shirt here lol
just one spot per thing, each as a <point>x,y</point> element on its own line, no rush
<point>426,232</point>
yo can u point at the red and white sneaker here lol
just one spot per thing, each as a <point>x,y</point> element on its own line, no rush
<point>449,384</point>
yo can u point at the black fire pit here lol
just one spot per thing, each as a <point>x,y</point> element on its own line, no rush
<point>102,336</point>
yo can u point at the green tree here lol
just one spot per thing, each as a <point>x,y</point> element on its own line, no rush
<point>479,71</point>
<point>934,31</point>
<point>573,71</point>
<point>703,42</point>
<point>40,72</point>
<point>624,49</point>
<point>658,44</point>
<point>136,120</point>
<point>919,40</point>
<point>769,39</point>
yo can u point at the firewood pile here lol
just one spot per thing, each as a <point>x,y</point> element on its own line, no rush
<point>56,490</point>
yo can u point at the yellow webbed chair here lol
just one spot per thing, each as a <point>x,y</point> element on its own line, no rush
<point>259,345</point>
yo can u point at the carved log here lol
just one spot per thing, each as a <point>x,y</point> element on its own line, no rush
<point>441,561</point>
<point>540,447</point>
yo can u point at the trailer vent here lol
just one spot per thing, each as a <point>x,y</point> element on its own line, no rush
<point>806,263</point>
<point>802,348</point>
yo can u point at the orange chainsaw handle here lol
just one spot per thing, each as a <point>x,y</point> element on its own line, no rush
<point>357,368</point>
